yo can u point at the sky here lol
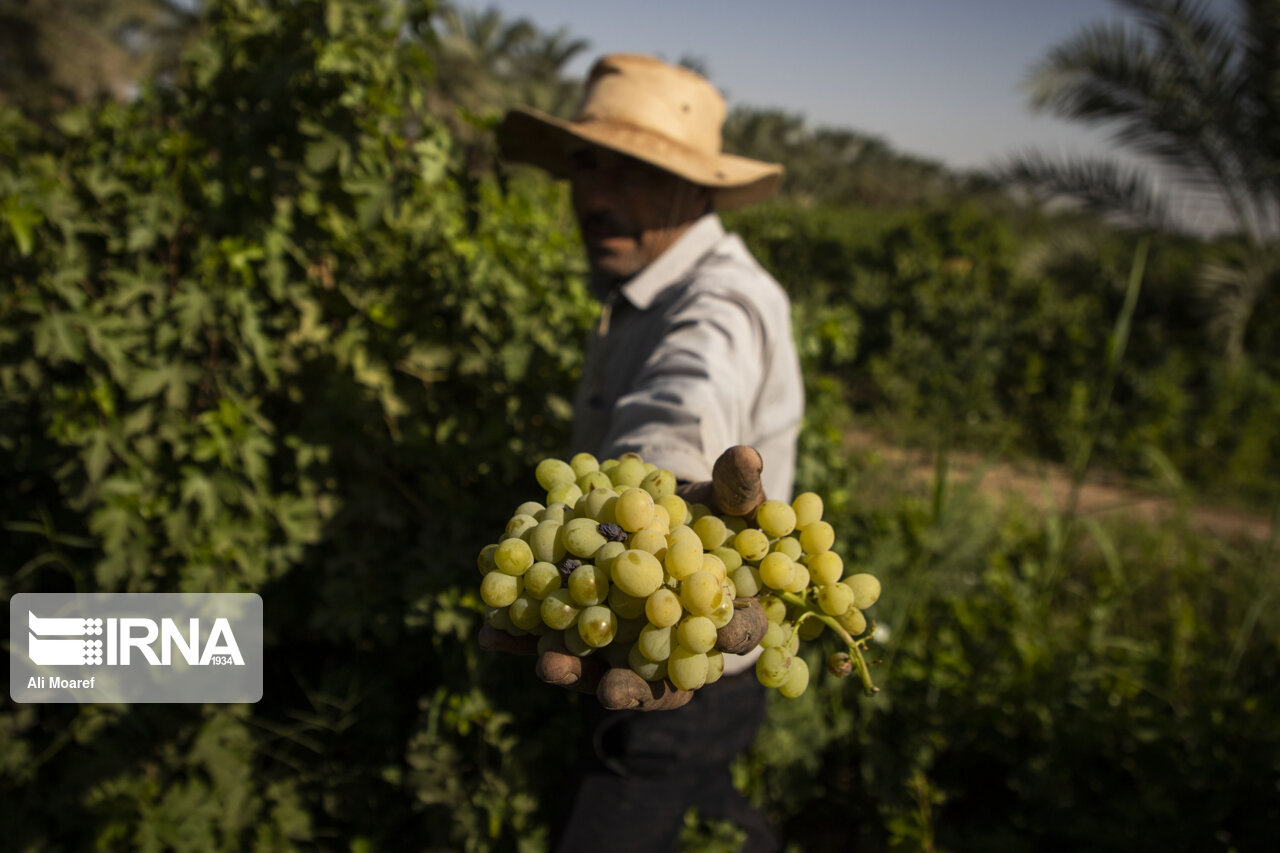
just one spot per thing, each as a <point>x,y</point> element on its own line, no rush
<point>941,79</point>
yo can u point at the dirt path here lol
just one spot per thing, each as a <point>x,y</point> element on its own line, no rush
<point>1040,483</point>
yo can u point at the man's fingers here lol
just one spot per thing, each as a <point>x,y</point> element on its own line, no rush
<point>700,492</point>
<point>621,689</point>
<point>566,670</point>
<point>735,480</point>
<point>496,640</point>
<point>745,629</point>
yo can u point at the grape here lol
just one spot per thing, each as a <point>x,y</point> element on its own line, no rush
<point>558,610</point>
<point>700,593</point>
<point>581,537</point>
<point>800,580</point>
<point>788,545</point>
<point>723,613</point>
<point>555,512</point>
<point>866,589</point>
<point>817,537</point>
<point>835,598</point>
<point>638,573</point>
<point>663,608</point>
<point>728,558</point>
<point>747,580</point>
<point>696,633</point>
<point>594,480</point>
<point>773,666</point>
<point>839,664</point>
<point>776,518</point>
<point>484,562</point>
<point>588,585</point>
<point>564,493</point>
<point>597,626</point>
<point>649,670</point>
<point>575,645</point>
<point>541,579</point>
<point>583,463</point>
<point>529,508</point>
<point>775,636</point>
<point>627,473</point>
<point>499,589</point>
<point>513,557</point>
<point>596,504</point>
<point>525,612</point>
<point>711,530</point>
<point>777,570</point>
<point>808,509</point>
<point>649,540</point>
<point>684,557</point>
<point>713,564</point>
<point>825,568</point>
<point>659,483</point>
<point>553,472</point>
<point>715,666</point>
<point>853,620</point>
<point>774,610</point>
<point>677,510</point>
<point>605,555</point>
<point>634,509</point>
<point>751,544</point>
<point>615,560</point>
<point>545,542</point>
<point>626,606</point>
<point>499,618</point>
<point>797,679</point>
<point>654,642</point>
<point>518,524</point>
<point>687,669</point>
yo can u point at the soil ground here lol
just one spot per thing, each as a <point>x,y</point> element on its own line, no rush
<point>1043,485</point>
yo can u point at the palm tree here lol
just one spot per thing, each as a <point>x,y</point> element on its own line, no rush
<point>538,78</point>
<point>477,54</point>
<point>59,52</point>
<point>1196,94</point>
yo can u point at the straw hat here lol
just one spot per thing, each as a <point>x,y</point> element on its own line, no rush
<point>667,116</point>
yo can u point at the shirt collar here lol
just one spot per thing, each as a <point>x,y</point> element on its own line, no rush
<point>672,265</point>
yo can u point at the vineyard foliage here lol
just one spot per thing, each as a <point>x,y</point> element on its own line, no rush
<point>266,328</point>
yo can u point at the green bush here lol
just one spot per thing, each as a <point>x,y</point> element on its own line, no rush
<point>260,332</point>
<point>964,324</point>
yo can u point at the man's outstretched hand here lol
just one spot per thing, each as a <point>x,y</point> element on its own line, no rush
<point>734,489</point>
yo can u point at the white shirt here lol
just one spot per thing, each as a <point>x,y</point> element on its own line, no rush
<point>690,357</point>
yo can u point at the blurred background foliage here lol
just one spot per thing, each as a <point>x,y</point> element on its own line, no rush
<point>274,320</point>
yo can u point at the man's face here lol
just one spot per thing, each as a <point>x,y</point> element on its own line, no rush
<point>629,212</point>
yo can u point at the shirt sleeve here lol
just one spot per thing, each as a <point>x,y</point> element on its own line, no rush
<point>692,397</point>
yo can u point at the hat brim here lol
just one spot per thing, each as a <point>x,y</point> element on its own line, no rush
<point>533,137</point>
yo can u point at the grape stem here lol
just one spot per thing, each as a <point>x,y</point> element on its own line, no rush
<point>864,673</point>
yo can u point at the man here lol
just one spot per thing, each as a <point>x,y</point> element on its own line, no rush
<point>692,355</point>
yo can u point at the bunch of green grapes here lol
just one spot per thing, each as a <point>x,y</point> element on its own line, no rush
<point>615,563</point>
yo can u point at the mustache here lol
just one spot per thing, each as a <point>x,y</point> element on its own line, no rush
<point>604,222</point>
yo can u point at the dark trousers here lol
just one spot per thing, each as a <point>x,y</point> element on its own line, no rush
<point>640,772</point>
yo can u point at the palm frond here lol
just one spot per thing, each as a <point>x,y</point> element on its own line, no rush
<point>1101,185</point>
<point>1229,289</point>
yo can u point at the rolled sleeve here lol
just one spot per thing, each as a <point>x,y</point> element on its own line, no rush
<point>690,400</point>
